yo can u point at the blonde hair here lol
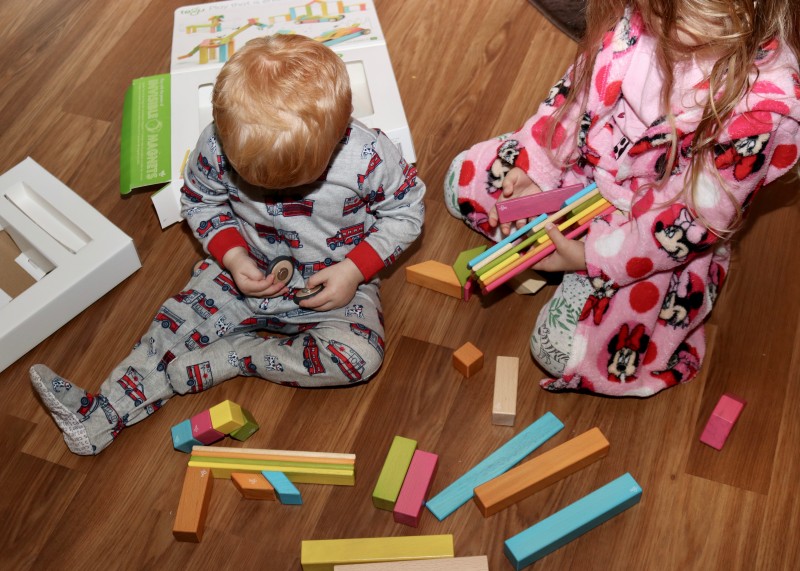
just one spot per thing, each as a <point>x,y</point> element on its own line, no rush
<point>281,105</point>
<point>732,30</point>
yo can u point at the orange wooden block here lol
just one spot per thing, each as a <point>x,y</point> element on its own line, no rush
<point>190,517</point>
<point>253,486</point>
<point>536,474</point>
<point>468,359</point>
<point>436,276</point>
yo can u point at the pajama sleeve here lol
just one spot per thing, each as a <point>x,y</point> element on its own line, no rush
<point>205,198</point>
<point>395,198</point>
<point>660,235</point>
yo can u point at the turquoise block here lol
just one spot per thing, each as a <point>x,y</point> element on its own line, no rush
<point>501,460</point>
<point>182,438</point>
<point>286,491</point>
<point>573,521</point>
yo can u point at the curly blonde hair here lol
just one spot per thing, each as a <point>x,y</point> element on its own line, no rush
<point>281,105</point>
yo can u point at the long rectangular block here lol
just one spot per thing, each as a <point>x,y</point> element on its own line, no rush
<point>274,455</point>
<point>475,563</point>
<point>324,554</point>
<point>286,491</point>
<point>721,421</point>
<point>504,402</point>
<point>538,473</point>
<point>390,480</point>
<point>416,487</point>
<point>298,475</point>
<point>190,517</point>
<point>504,458</point>
<point>253,486</point>
<point>572,521</point>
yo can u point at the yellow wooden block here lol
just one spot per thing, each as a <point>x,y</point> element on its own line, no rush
<point>436,276</point>
<point>274,455</point>
<point>298,475</point>
<point>227,417</point>
<point>253,486</point>
<point>476,563</point>
<point>468,359</point>
<point>324,554</point>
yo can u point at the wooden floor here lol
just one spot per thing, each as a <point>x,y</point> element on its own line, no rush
<point>465,74</point>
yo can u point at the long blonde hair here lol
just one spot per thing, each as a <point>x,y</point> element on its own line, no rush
<point>733,29</point>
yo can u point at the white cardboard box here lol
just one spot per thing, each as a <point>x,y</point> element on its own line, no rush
<point>206,35</point>
<point>58,255</point>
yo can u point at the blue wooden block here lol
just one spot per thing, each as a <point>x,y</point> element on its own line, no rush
<point>182,438</point>
<point>573,521</point>
<point>501,460</point>
<point>286,491</point>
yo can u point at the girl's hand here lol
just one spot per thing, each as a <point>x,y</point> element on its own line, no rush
<point>250,280</point>
<point>516,183</point>
<point>341,282</point>
<point>569,256</point>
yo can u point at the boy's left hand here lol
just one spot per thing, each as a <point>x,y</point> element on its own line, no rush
<point>341,282</point>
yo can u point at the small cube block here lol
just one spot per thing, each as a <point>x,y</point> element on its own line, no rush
<point>182,438</point>
<point>249,428</point>
<point>253,486</point>
<point>190,517</point>
<point>286,491</point>
<point>227,417</point>
<point>468,359</point>
<point>203,430</point>
<point>721,421</point>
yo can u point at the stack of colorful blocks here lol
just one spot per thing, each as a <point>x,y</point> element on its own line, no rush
<point>212,425</point>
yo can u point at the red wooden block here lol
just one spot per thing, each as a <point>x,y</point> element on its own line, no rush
<point>533,205</point>
<point>203,430</point>
<point>416,487</point>
<point>721,422</point>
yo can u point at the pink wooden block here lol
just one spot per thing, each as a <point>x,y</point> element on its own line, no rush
<point>467,290</point>
<point>203,430</point>
<point>534,204</point>
<point>416,487</point>
<point>721,422</point>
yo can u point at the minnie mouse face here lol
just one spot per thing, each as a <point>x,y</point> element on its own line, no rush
<point>682,301</point>
<point>506,157</point>
<point>678,234</point>
<point>625,349</point>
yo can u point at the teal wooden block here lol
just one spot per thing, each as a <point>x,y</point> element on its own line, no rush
<point>393,473</point>
<point>501,460</point>
<point>573,521</point>
<point>286,491</point>
<point>182,438</point>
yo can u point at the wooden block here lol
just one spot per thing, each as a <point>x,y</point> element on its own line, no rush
<point>504,458</point>
<point>249,428</point>
<point>299,456</point>
<point>721,421</point>
<point>416,487</point>
<point>324,554</point>
<point>460,267</point>
<point>536,474</point>
<point>227,417</point>
<point>253,486</point>
<point>393,473</point>
<point>203,430</point>
<point>504,403</point>
<point>468,359</point>
<point>182,438</point>
<point>436,276</point>
<point>286,491</point>
<point>572,521</point>
<point>532,205</point>
<point>298,475</point>
<point>528,282</point>
<point>476,563</point>
<point>190,517</point>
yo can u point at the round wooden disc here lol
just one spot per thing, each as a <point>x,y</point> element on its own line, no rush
<point>307,293</point>
<point>282,269</point>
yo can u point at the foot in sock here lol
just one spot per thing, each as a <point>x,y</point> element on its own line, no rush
<point>73,410</point>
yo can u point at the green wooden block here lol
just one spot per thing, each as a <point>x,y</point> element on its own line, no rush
<point>249,428</point>
<point>460,265</point>
<point>393,473</point>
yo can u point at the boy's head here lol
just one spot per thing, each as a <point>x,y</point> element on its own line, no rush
<point>281,104</point>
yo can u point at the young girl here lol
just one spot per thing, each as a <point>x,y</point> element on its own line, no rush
<point>680,111</point>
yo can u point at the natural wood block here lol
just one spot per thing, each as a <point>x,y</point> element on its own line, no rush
<point>394,470</point>
<point>536,474</point>
<point>476,563</point>
<point>324,554</point>
<point>338,476</point>
<point>416,487</point>
<point>436,276</point>
<point>504,402</point>
<point>227,416</point>
<point>190,517</point>
<point>253,486</point>
<point>468,359</point>
<point>528,282</point>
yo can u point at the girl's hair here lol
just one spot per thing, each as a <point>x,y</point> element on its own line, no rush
<point>281,105</point>
<point>731,30</point>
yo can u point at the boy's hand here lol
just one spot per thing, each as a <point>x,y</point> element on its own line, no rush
<point>570,255</point>
<point>341,282</point>
<point>250,280</point>
<point>516,183</point>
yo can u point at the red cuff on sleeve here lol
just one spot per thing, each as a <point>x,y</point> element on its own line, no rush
<point>366,260</point>
<point>223,241</point>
